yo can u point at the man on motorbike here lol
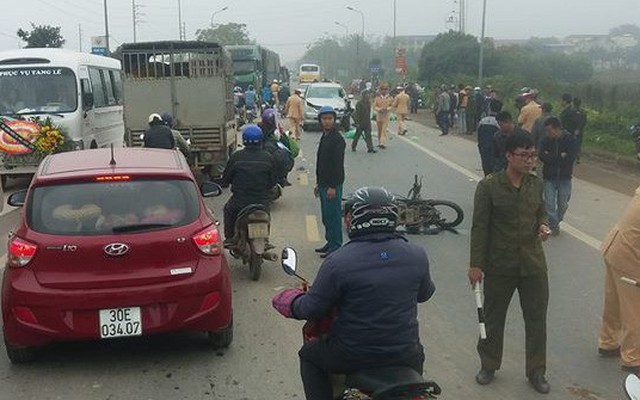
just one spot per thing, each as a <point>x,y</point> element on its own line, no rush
<point>373,284</point>
<point>250,172</point>
<point>272,144</point>
<point>158,136</point>
<point>181,142</point>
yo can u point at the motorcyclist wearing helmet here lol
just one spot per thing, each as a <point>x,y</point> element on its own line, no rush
<point>158,135</point>
<point>283,157</point>
<point>250,98</point>
<point>329,179</point>
<point>373,284</point>
<point>250,172</point>
<point>181,143</point>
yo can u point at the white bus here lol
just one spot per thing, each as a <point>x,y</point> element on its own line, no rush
<point>80,92</point>
<point>309,73</point>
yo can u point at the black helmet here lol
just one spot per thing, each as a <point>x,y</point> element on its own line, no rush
<point>371,210</point>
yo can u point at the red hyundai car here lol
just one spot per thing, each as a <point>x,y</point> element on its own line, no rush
<point>114,244</point>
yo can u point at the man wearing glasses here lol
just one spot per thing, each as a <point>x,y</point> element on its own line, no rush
<point>509,226</point>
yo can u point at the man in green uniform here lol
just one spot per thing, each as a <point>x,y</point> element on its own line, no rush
<point>509,226</point>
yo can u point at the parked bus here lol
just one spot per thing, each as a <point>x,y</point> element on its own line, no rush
<point>254,65</point>
<point>309,73</point>
<point>80,92</point>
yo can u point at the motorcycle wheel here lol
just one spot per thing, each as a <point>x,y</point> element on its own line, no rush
<point>451,214</point>
<point>255,266</point>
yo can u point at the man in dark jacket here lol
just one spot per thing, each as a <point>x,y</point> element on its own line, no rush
<point>158,136</point>
<point>487,130</point>
<point>282,157</point>
<point>558,153</point>
<point>329,179</point>
<point>568,117</point>
<point>362,119</point>
<point>373,284</point>
<point>251,174</point>
<point>507,128</point>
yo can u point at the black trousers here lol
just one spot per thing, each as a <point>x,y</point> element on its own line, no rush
<point>534,298</point>
<point>364,131</point>
<point>323,357</point>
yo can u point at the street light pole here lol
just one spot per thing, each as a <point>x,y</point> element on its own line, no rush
<point>481,61</point>
<point>225,8</point>
<point>180,19</point>
<point>362,32</point>
<point>106,26</point>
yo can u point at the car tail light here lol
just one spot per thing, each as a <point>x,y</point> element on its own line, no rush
<point>210,301</point>
<point>208,242</point>
<point>25,314</point>
<point>20,252</point>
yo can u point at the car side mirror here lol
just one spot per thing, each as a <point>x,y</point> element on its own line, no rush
<point>17,199</point>
<point>87,100</point>
<point>350,97</point>
<point>289,260</point>
<point>210,189</point>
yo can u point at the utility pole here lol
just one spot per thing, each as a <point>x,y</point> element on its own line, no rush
<point>184,31</point>
<point>106,26</point>
<point>137,18</point>
<point>180,23</point>
<point>463,16</point>
<point>80,37</point>
<point>481,61</point>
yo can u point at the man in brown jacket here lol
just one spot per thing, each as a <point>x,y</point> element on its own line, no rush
<point>294,108</point>
<point>382,105</point>
<point>401,105</point>
<point>620,331</point>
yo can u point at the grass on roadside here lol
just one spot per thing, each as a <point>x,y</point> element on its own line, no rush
<point>609,143</point>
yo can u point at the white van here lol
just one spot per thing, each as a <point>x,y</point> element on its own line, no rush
<point>80,92</point>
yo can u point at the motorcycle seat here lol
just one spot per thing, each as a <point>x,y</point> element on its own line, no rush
<point>249,209</point>
<point>391,381</point>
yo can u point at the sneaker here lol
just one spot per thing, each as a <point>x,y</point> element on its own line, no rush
<point>371,151</point>
<point>322,249</point>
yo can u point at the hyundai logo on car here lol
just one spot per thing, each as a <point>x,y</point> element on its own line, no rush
<point>116,249</point>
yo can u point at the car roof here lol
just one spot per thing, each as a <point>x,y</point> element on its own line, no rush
<point>83,164</point>
<point>325,84</point>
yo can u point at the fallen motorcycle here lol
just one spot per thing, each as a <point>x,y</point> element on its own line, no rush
<point>416,213</point>
<point>251,240</point>
<point>384,383</point>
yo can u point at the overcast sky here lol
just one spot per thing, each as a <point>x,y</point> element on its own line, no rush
<point>287,26</point>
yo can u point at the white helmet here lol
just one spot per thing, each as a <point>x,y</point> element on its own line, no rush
<point>154,116</point>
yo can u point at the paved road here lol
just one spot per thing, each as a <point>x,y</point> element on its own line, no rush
<point>262,362</point>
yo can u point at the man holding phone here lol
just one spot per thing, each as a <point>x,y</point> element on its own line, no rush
<point>509,226</point>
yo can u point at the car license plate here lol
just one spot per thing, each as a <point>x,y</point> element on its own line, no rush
<point>258,230</point>
<point>119,322</point>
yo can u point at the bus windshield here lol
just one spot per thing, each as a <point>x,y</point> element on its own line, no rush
<point>244,66</point>
<point>37,89</point>
<point>309,68</point>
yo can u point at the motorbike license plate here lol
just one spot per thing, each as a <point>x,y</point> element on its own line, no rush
<point>258,230</point>
<point>120,322</point>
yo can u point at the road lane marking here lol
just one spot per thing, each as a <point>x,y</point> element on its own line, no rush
<point>303,179</point>
<point>570,229</point>
<point>312,228</point>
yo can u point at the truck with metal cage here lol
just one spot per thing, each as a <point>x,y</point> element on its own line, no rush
<point>191,80</point>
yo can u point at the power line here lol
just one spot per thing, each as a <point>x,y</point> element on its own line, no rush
<point>67,12</point>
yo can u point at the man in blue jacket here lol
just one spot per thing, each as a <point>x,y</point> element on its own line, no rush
<point>373,284</point>
<point>558,152</point>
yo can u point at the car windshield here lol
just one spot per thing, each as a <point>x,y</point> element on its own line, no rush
<point>325,92</point>
<point>110,208</point>
<point>37,89</point>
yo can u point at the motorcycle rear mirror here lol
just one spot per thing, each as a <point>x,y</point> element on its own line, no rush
<point>632,387</point>
<point>289,261</point>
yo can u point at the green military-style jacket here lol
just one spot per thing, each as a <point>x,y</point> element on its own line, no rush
<point>504,235</point>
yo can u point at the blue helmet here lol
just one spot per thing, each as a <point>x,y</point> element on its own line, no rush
<point>269,117</point>
<point>327,110</point>
<point>251,134</point>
